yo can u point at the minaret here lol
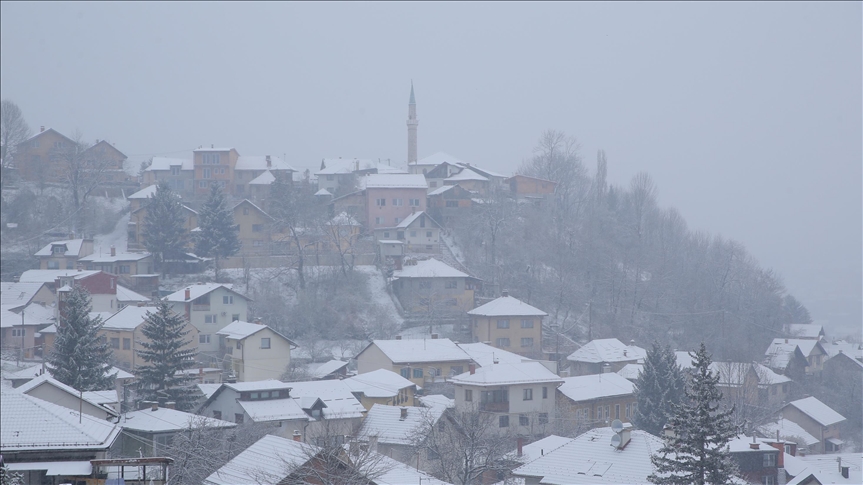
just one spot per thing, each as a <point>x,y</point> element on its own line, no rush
<point>412,128</point>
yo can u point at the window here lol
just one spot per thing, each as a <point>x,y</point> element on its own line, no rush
<point>235,317</point>
<point>18,332</point>
<point>523,420</point>
<point>398,202</point>
<point>769,460</point>
<point>379,220</point>
<point>785,387</point>
<point>238,418</point>
<point>204,338</point>
<point>468,395</point>
<point>428,234</point>
<point>503,323</point>
<point>115,343</point>
<point>528,395</point>
<point>424,285</point>
<point>406,373</point>
<point>452,203</point>
<point>413,234</point>
<point>239,345</point>
<point>527,342</point>
<point>127,343</point>
<point>202,184</point>
<point>418,373</point>
<point>768,480</point>
<point>415,202</point>
<point>208,172</point>
<point>210,318</point>
<point>398,219</point>
<point>380,202</point>
<point>331,177</point>
<point>257,228</point>
<point>543,418</point>
<point>53,265</point>
<point>607,412</point>
<point>451,285</point>
<point>527,324</point>
<point>228,300</point>
<point>617,411</point>
<point>265,342</point>
<point>124,269</point>
<point>628,408</point>
<point>217,414</point>
<point>503,342</point>
<point>503,421</point>
<point>545,393</point>
<point>386,235</point>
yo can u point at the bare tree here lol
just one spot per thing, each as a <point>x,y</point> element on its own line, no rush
<point>340,458</point>
<point>13,131</point>
<point>82,171</point>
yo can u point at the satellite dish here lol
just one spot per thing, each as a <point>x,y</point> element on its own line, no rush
<point>617,426</point>
<point>615,441</point>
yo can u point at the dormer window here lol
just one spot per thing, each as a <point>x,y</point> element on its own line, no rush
<point>58,249</point>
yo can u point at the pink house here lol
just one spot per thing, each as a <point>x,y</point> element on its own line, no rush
<point>391,197</point>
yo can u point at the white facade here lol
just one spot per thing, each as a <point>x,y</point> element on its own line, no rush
<point>210,308</point>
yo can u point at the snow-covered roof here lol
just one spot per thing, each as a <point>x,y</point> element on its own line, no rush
<point>31,424</point>
<point>328,368</point>
<point>824,468</point>
<point>126,295</point>
<point>788,430</point>
<point>509,374</point>
<point>397,473</point>
<point>334,166</point>
<point>779,345</point>
<point>466,174</point>
<point>805,330</point>
<point>378,383</point>
<point>73,247</point>
<point>768,377</point>
<point>506,306</point>
<point>164,420</point>
<point>631,371</point>
<point>417,351</point>
<point>855,351</point>
<point>259,162</point>
<point>589,459</point>
<point>165,163</point>
<point>778,355</point>
<point>413,217</point>
<point>393,181</point>
<point>607,350</point>
<point>439,158</point>
<point>344,219</point>
<point>36,371</point>
<point>441,190</point>
<point>337,397</point>
<point>264,385</point>
<point>51,275</point>
<point>47,380</point>
<point>817,410</point>
<point>485,355</point>
<point>197,291</point>
<point>265,178</point>
<point>538,448</point>
<point>102,397</point>
<point>107,258</point>
<point>33,314</point>
<point>129,318</point>
<point>482,171</point>
<point>212,149</point>
<point>208,389</point>
<point>386,423</point>
<point>267,462</point>
<point>595,386</point>
<point>239,330</point>
<point>741,443</point>
<point>323,192</point>
<point>273,410</point>
<point>144,193</point>
<point>437,401</point>
<point>428,268</point>
<point>18,294</point>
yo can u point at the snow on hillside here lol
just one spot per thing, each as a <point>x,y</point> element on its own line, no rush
<point>117,238</point>
<point>380,296</point>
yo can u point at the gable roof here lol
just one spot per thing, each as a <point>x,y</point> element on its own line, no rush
<point>429,268</point>
<point>779,355</point>
<point>631,371</point>
<point>397,473</point>
<point>439,158</point>
<point>259,162</point>
<point>239,330</point>
<point>417,351</point>
<point>807,346</point>
<point>73,247</point>
<point>32,314</point>
<point>607,350</point>
<point>118,257</point>
<point>197,291</point>
<point>507,306</point>
<point>465,175</point>
<point>30,424</point>
<point>51,275</point>
<point>441,190</point>
<point>18,294</point>
<point>248,202</point>
<point>164,420</point>
<point>386,422</point>
<point>482,171</point>
<point>378,383</point>
<point>165,163</point>
<point>788,430</point>
<point>125,294</point>
<point>109,145</point>
<point>393,181</point>
<point>805,330</point>
<point>128,318</point>
<point>337,397</point>
<point>596,386</point>
<point>538,448</point>
<point>485,355</point>
<point>328,368</point>
<point>265,178</point>
<point>46,380</point>
<point>267,462</point>
<point>509,374</point>
<point>817,410</point>
<point>45,132</point>
<point>414,217</point>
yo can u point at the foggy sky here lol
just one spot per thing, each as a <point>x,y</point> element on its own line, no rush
<point>748,116</point>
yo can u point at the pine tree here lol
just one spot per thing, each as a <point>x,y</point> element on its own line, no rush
<point>660,385</point>
<point>696,451</point>
<point>165,355</point>
<point>80,358</point>
<point>9,477</point>
<point>164,233</point>
<point>218,234</point>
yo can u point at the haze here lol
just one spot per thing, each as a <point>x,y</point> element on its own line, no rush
<point>748,116</point>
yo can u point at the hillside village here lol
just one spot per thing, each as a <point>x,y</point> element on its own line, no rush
<point>372,305</point>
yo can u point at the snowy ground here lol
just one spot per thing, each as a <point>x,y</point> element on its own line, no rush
<point>380,295</point>
<point>453,247</point>
<point>117,238</point>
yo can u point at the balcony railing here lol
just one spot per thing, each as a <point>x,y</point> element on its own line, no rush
<point>494,407</point>
<point>201,308</point>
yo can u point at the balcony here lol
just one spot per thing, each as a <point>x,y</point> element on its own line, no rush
<point>201,308</point>
<point>494,407</point>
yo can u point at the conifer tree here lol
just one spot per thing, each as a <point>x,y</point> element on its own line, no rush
<point>9,477</point>
<point>164,234</point>
<point>696,451</point>
<point>659,386</point>
<point>80,358</point>
<point>218,236</point>
<point>165,354</point>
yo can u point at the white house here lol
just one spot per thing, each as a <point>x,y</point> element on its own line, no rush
<point>257,351</point>
<point>604,355</point>
<point>210,307</point>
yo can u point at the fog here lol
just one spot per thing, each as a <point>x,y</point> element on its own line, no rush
<point>747,116</point>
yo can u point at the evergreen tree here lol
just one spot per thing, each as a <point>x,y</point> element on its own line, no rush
<point>696,451</point>
<point>218,234</point>
<point>164,233</point>
<point>80,358</point>
<point>165,355</point>
<point>660,385</point>
<point>9,477</point>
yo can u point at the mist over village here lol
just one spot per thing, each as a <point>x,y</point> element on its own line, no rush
<point>436,243</point>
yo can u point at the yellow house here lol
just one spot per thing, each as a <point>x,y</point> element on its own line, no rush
<point>255,227</point>
<point>64,254</point>
<point>257,352</point>
<point>510,324</point>
<point>136,225</point>
<point>383,387</point>
<point>421,361</point>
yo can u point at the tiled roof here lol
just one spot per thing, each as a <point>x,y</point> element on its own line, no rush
<point>267,462</point>
<point>509,374</point>
<point>817,410</point>
<point>607,350</point>
<point>73,247</point>
<point>417,351</point>
<point>595,386</point>
<point>507,306</point>
<point>164,420</point>
<point>385,422</point>
<point>429,268</point>
<point>378,383</point>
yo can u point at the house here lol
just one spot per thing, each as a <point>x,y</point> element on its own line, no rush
<point>255,228</point>
<point>469,180</point>
<point>497,181</point>
<point>790,432</point>
<point>64,254</point>
<point>99,404</point>
<point>124,333</point>
<point>817,419</point>
<point>107,158</point>
<point>37,160</point>
<point>530,189</point>
<point>836,347</point>
<point>140,198</point>
<point>390,198</point>
<point>752,384</point>
<point>153,428</point>
<point>824,469</point>
<point>808,331</point>
<point>332,369</point>
<point>418,231</point>
<point>787,359</point>
<point>136,227</point>
<point>811,349</point>
<point>272,460</point>
<point>521,396</point>
<point>251,168</point>
<point>101,286</point>
<point>210,307</point>
<point>124,265</point>
<point>178,173</point>
<point>758,460</point>
<point>604,355</point>
<point>596,400</point>
<point>589,459</point>
<point>436,176</point>
<point>418,360</point>
<point>509,323</point>
<point>18,295</point>
<point>49,443</point>
<point>257,352</point>
<point>449,204</point>
<point>19,328</point>
<point>426,165</point>
<point>126,297</point>
<point>397,429</point>
<point>339,176</point>
<point>433,287</point>
<point>382,387</point>
<point>214,166</point>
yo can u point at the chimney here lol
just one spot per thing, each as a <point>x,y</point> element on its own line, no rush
<point>404,413</point>
<point>845,470</point>
<point>188,293</point>
<point>258,321</point>
<point>113,250</point>
<point>398,337</point>
<point>504,293</point>
<point>297,435</point>
<point>212,146</point>
<point>520,446</point>
<point>434,336</point>
<point>171,405</point>
<point>269,162</point>
<point>786,341</point>
<point>471,368</point>
<point>154,406</point>
<point>41,129</point>
<point>753,446</point>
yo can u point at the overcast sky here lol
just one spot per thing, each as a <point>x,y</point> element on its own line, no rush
<point>747,115</point>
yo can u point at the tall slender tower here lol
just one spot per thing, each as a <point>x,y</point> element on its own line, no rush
<point>412,128</point>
